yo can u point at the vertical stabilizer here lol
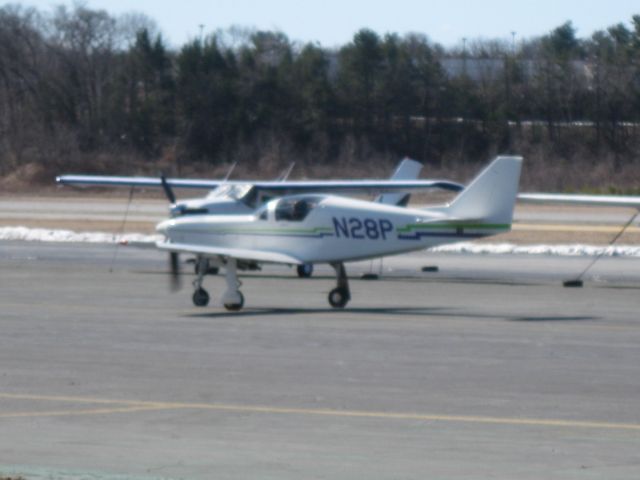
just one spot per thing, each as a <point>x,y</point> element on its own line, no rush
<point>491,196</point>
<point>407,170</point>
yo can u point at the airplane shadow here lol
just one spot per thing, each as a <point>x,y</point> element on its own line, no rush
<point>559,318</point>
<point>267,312</point>
<point>395,278</point>
<point>441,312</point>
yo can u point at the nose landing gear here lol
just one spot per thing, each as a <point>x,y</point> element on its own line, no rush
<point>200,296</point>
<point>232,299</point>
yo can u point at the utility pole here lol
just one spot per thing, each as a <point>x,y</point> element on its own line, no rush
<point>464,56</point>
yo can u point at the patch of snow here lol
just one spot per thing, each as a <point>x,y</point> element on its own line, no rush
<point>47,235</point>
<point>576,250</point>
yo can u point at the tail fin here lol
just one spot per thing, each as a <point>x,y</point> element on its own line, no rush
<point>407,170</point>
<point>491,196</point>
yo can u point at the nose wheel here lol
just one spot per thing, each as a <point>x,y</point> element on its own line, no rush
<point>200,297</point>
<point>234,307</point>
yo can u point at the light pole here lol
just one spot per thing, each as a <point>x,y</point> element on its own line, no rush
<point>464,55</point>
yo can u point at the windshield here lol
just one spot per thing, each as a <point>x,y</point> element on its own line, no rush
<point>234,191</point>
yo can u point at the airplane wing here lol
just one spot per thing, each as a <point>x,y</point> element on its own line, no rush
<point>239,253</point>
<point>274,187</point>
<point>354,186</point>
<point>114,181</point>
<point>571,199</point>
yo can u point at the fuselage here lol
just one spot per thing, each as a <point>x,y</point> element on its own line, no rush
<point>320,228</point>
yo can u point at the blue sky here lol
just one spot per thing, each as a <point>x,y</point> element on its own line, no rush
<point>333,22</point>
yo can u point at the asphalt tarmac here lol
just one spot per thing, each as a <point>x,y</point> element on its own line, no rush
<point>488,368</point>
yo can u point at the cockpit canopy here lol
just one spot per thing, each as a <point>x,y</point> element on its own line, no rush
<point>235,191</point>
<point>295,209</point>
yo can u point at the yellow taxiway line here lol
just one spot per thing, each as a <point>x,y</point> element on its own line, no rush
<point>127,406</point>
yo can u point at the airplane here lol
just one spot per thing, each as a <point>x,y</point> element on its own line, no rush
<point>239,197</point>
<point>229,197</point>
<point>324,228</point>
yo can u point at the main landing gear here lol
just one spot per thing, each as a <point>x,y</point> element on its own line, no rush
<point>232,298</point>
<point>340,296</point>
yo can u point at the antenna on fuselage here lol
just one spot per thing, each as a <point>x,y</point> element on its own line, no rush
<point>285,175</point>
<point>231,169</point>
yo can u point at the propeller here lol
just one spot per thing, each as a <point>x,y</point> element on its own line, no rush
<point>167,189</point>
<point>174,268</point>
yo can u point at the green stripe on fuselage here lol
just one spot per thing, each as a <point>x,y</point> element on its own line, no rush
<point>412,227</point>
<point>273,231</point>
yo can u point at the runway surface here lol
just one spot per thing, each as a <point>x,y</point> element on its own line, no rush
<point>486,369</point>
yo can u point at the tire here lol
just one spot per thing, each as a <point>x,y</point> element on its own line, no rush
<point>338,298</point>
<point>200,298</point>
<point>305,270</point>
<point>234,307</point>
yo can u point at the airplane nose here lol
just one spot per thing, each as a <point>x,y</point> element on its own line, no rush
<point>164,227</point>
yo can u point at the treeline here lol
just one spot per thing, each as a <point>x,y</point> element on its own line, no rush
<point>81,89</point>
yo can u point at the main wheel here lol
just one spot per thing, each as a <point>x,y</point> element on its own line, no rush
<point>200,298</point>
<point>338,297</point>
<point>305,270</point>
<point>234,307</point>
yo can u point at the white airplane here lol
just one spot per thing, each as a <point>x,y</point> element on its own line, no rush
<point>238,197</point>
<point>320,228</point>
<point>243,197</point>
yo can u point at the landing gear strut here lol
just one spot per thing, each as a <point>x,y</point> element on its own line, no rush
<point>199,264</point>
<point>200,296</point>
<point>340,296</point>
<point>232,299</point>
